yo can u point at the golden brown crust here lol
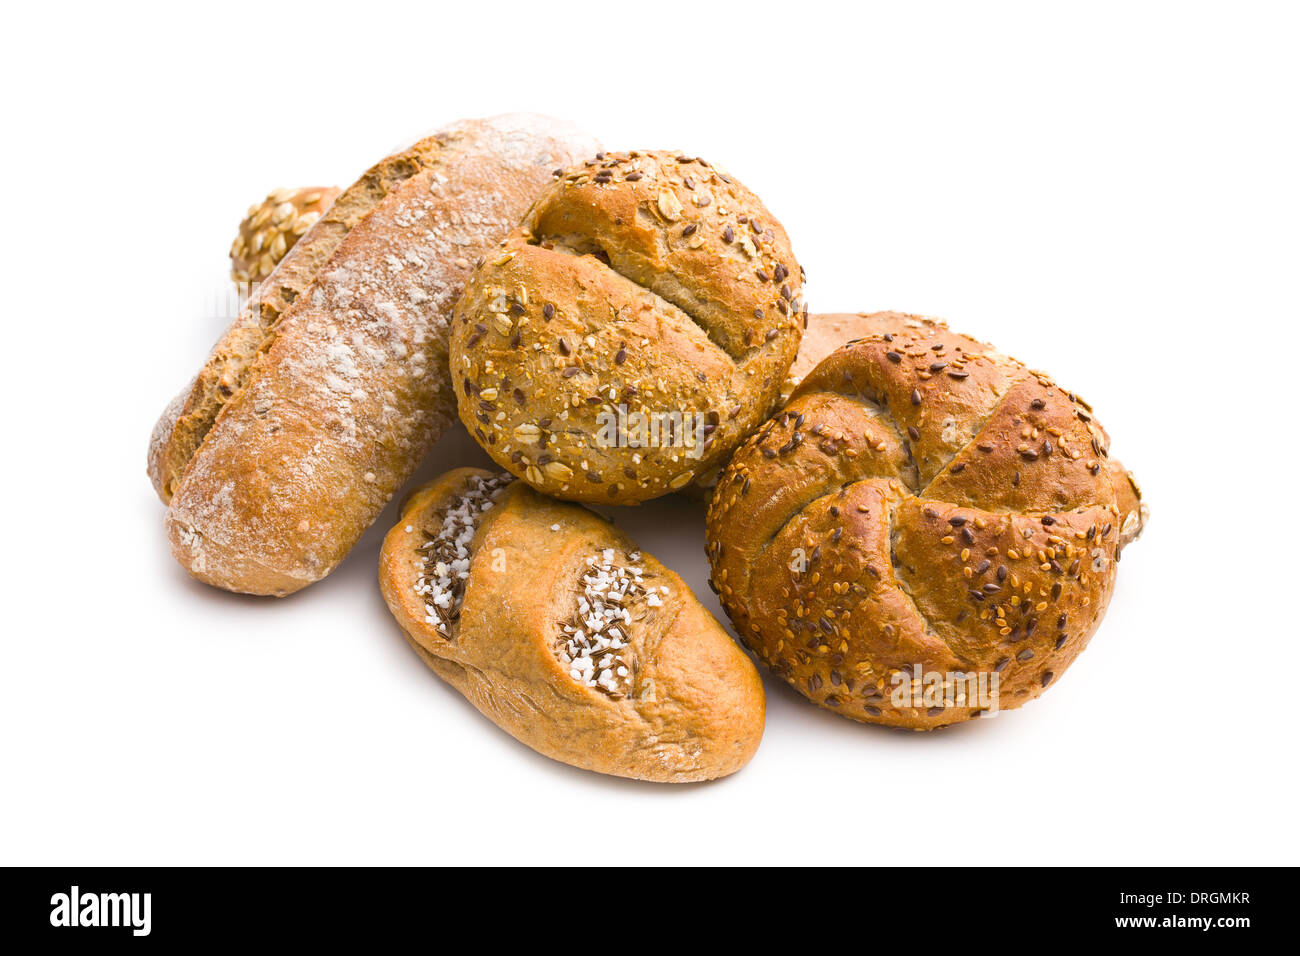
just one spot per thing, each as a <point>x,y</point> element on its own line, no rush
<point>921,501</point>
<point>644,283</point>
<point>332,385</point>
<point>823,333</point>
<point>272,227</point>
<point>1133,512</point>
<point>187,420</point>
<point>691,706</point>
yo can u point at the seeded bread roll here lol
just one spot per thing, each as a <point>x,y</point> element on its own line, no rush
<point>273,227</point>
<point>630,333</point>
<point>921,502</point>
<point>552,623</point>
<point>331,385</point>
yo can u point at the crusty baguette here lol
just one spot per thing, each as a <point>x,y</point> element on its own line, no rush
<point>332,385</point>
<point>922,501</point>
<point>672,699</point>
<point>186,422</point>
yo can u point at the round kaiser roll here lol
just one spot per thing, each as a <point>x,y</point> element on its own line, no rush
<point>927,531</point>
<point>631,332</point>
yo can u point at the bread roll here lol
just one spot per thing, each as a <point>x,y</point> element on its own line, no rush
<point>552,623</point>
<point>331,385</point>
<point>922,506</point>
<point>629,334</point>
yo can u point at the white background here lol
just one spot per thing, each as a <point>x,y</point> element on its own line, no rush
<point>1109,193</point>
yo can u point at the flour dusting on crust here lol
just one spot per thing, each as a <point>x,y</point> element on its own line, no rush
<point>355,388</point>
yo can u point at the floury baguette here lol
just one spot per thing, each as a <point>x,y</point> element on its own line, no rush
<point>321,399</point>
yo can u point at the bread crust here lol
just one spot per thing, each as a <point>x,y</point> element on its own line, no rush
<point>823,333</point>
<point>922,500</point>
<point>693,708</point>
<point>828,332</point>
<point>647,284</point>
<point>1133,512</point>
<point>331,386</point>
<point>272,227</point>
<point>188,418</point>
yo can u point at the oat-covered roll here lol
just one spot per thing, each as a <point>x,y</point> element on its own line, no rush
<point>566,635</point>
<point>630,333</point>
<point>273,227</point>
<point>924,509</point>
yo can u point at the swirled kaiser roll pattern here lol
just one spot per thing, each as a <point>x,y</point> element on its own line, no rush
<point>923,505</point>
<point>631,332</point>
